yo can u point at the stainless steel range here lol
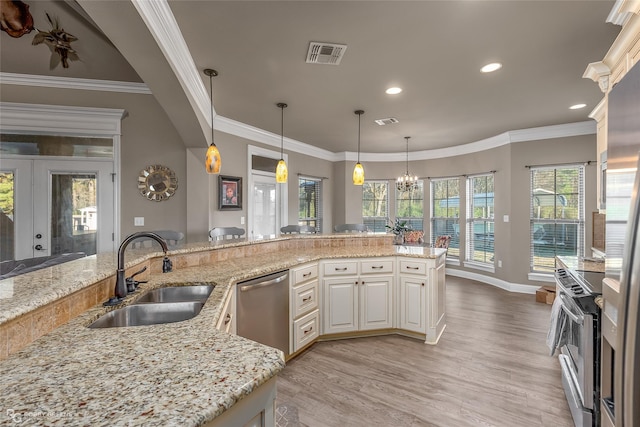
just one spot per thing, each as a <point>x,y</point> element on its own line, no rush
<point>580,343</point>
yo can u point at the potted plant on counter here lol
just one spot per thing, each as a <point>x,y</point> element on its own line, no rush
<point>398,228</point>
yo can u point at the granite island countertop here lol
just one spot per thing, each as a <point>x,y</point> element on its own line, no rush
<point>184,373</point>
<point>582,264</point>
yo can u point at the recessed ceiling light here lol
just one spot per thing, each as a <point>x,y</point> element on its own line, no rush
<point>489,68</point>
<point>577,106</point>
<point>393,90</point>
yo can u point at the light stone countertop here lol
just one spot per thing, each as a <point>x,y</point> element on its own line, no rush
<point>184,373</point>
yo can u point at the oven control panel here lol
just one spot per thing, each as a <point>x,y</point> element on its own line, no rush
<point>569,284</point>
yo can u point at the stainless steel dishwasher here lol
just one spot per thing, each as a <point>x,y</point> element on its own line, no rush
<point>262,310</point>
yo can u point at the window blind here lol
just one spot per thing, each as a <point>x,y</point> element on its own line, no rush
<point>310,202</point>
<point>480,222</point>
<point>375,205</point>
<point>445,212</point>
<point>410,206</point>
<point>556,215</point>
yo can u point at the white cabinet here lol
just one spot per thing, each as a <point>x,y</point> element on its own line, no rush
<point>421,297</point>
<point>227,320</point>
<point>304,306</point>
<point>412,307</point>
<point>358,295</point>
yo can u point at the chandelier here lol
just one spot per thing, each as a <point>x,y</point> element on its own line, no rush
<point>407,182</point>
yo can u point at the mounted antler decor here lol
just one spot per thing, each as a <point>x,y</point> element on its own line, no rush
<point>59,41</point>
<point>15,18</point>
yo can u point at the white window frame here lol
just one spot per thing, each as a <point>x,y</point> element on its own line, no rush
<point>451,259</point>
<point>319,213</point>
<point>579,222</point>
<point>470,220</point>
<point>411,219</point>
<point>376,218</point>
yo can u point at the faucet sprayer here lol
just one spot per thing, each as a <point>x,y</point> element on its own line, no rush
<point>121,289</point>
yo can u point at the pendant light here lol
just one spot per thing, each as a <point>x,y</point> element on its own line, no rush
<point>358,170</point>
<point>407,182</point>
<point>213,162</point>
<point>281,169</point>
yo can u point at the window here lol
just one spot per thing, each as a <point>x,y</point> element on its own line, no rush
<point>557,215</point>
<point>410,206</point>
<point>375,205</point>
<point>445,213</point>
<point>480,224</point>
<point>310,202</point>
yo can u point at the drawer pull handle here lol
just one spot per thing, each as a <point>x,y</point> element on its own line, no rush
<point>374,267</point>
<point>412,268</point>
<point>306,274</point>
<point>341,269</point>
<point>306,299</point>
<point>308,330</point>
<point>227,319</point>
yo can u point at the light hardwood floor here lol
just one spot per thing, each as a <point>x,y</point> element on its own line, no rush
<point>490,368</point>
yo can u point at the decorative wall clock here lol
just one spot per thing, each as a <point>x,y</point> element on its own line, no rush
<point>157,183</point>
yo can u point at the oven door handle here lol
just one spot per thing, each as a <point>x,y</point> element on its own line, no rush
<point>574,317</point>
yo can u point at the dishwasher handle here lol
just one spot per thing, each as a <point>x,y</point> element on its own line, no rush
<point>261,284</point>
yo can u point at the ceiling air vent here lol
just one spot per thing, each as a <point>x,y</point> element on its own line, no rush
<point>387,121</point>
<point>325,53</point>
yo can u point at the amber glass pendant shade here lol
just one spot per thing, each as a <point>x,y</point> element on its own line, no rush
<point>281,172</point>
<point>358,174</point>
<point>213,162</point>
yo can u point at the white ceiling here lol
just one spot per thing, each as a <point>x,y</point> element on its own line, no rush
<point>432,49</point>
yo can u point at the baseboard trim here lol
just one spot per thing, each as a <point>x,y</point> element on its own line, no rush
<point>494,281</point>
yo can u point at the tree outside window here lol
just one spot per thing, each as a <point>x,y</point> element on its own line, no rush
<point>310,202</point>
<point>375,205</point>
<point>410,206</point>
<point>556,216</point>
<point>480,221</point>
<point>445,212</point>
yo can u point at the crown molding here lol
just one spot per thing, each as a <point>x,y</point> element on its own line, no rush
<point>158,17</point>
<point>511,137</point>
<point>622,11</point>
<point>73,83</point>
<point>60,120</point>
<point>252,133</point>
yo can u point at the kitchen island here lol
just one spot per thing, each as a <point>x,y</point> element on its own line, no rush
<point>186,373</point>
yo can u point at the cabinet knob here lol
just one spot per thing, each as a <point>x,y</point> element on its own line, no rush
<point>422,283</point>
<point>227,319</point>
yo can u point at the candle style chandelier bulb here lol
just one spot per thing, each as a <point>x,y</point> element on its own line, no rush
<point>281,170</point>
<point>213,161</point>
<point>407,182</point>
<point>358,170</point>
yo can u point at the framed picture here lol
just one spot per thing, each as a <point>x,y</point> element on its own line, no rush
<point>229,192</point>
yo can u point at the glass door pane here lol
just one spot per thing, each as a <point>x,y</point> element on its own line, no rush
<point>74,216</point>
<point>264,206</point>
<point>7,229</point>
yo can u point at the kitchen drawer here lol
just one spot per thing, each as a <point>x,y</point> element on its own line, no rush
<point>302,274</point>
<point>383,265</point>
<point>305,330</point>
<point>413,267</point>
<point>341,268</point>
<point>305,298</point>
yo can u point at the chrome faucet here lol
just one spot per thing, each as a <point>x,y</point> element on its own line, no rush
<point>121,289</point>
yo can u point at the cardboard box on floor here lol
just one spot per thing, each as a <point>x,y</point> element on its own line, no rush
<point>546,294</point>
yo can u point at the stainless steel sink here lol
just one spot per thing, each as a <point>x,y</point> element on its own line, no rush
<point>198,293</point>
<point>149,314</point>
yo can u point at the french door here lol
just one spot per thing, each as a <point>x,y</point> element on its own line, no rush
<point>52,206</point>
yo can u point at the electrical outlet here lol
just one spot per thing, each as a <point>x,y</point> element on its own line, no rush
<point>138,221</point>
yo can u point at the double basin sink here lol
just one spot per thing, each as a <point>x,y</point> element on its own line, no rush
<point>158,306</point>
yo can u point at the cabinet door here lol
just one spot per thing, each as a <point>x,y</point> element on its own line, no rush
<point>340,305</point>
<point>376,302</point>
<point>412,304</point>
